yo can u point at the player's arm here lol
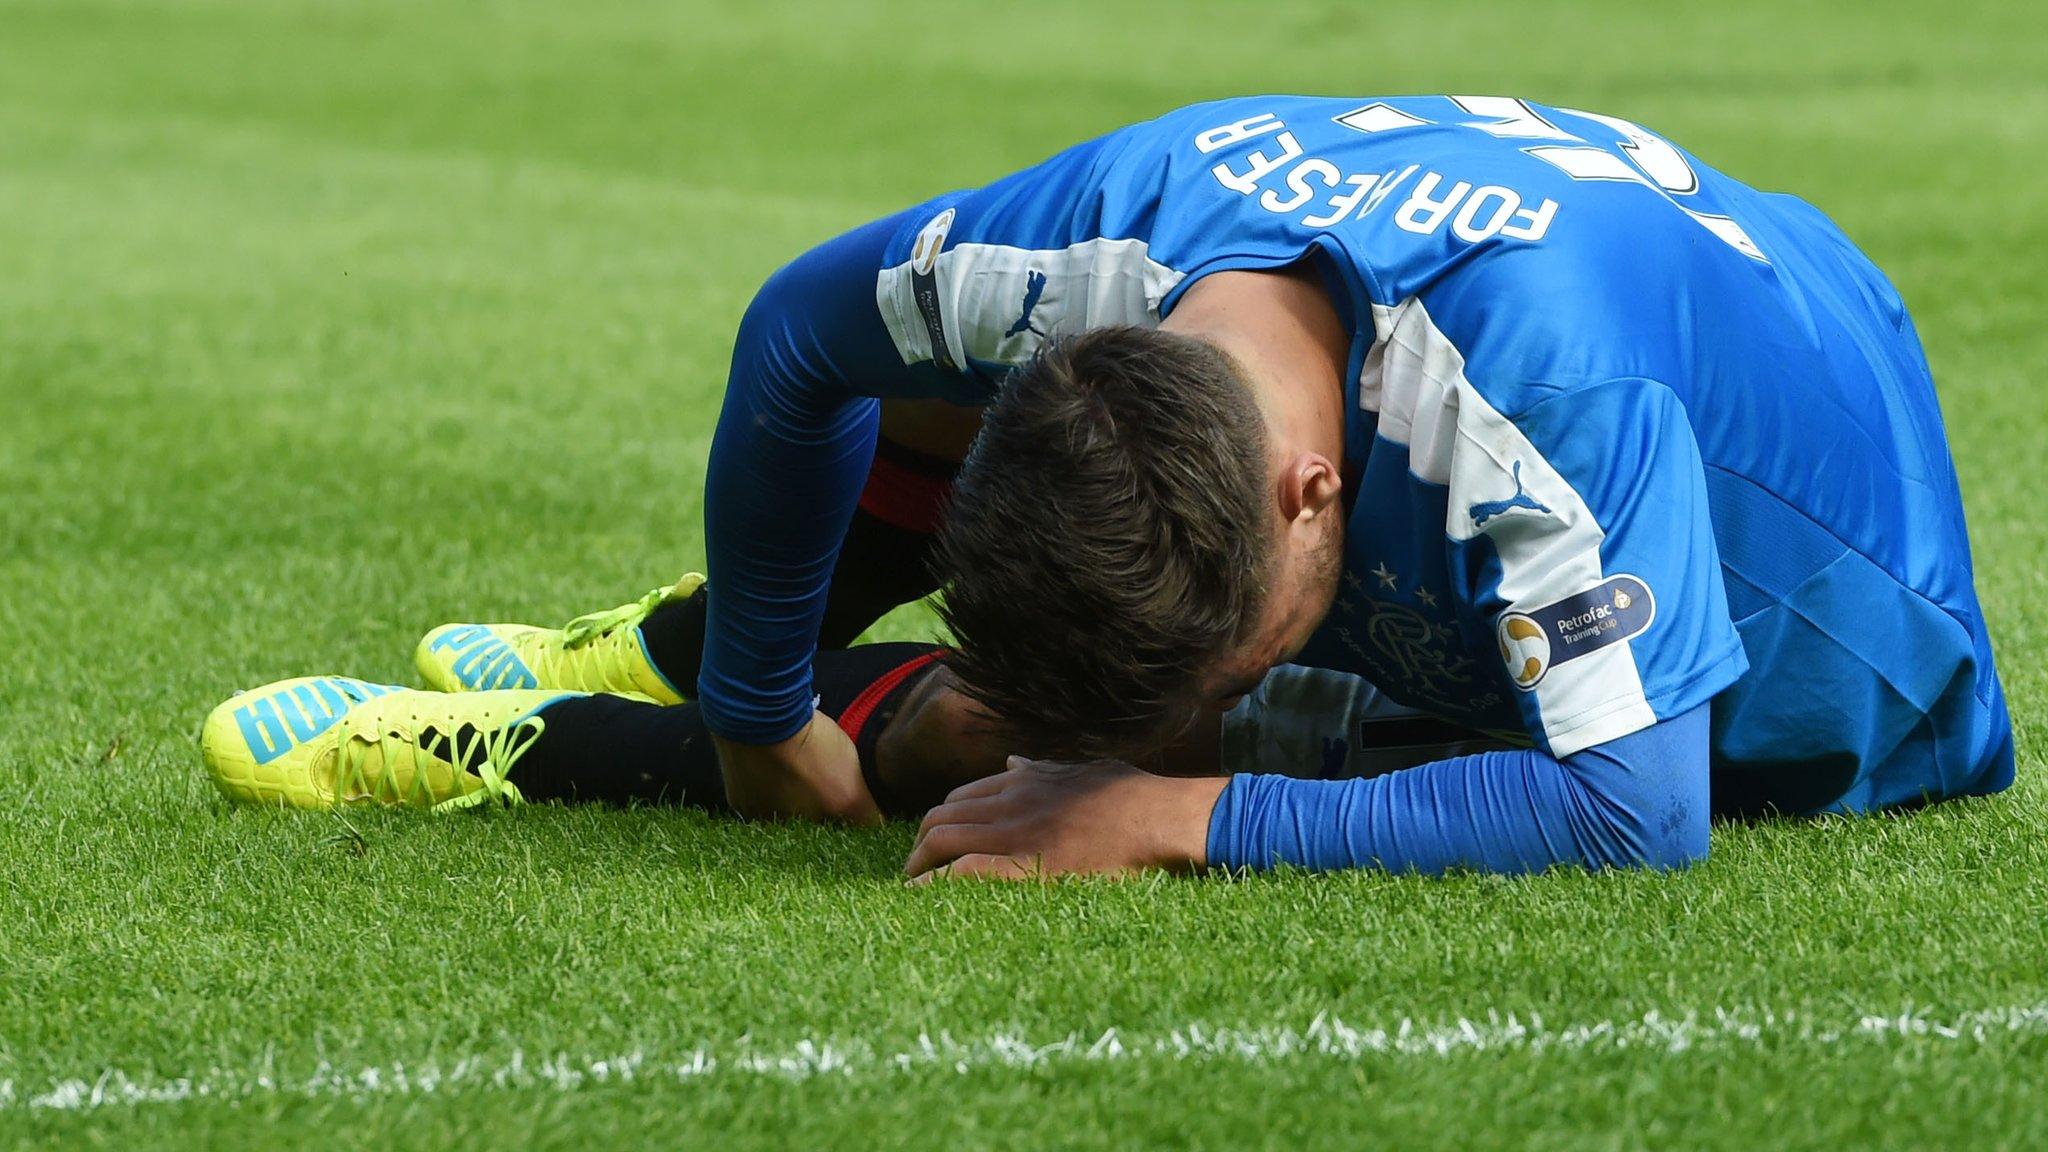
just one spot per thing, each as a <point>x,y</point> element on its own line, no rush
<point>1606,570</point>
<point>792,449</point>
<point>1637,801</point>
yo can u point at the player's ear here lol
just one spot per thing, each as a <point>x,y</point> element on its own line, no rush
<point>1309,484</point>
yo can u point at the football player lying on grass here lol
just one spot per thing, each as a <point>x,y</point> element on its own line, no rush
<point>1521,415</point>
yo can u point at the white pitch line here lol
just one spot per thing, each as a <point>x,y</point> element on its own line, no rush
<point>1325,1038</point>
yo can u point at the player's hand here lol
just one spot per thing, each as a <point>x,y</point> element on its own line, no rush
<point>1041,819</point>
<point>813,775</point>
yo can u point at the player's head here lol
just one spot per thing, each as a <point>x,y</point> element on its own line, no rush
<point>1129,542</point>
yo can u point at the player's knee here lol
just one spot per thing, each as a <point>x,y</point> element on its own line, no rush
<point>939,741</point>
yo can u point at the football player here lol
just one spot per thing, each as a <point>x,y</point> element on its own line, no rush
<point>1517,417</point>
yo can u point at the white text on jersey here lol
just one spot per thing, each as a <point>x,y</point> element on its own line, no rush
<point>1490,211</point>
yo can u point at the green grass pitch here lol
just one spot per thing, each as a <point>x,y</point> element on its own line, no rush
<point>322,323</point>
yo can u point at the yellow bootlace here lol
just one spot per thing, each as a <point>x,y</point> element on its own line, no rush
<point>597,625</point>
<point>488,755</point>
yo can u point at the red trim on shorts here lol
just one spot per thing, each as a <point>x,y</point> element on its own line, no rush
<point>856,715</point>
<point>909,499</point>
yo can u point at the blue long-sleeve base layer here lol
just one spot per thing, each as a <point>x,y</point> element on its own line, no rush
<point>1639,801</point>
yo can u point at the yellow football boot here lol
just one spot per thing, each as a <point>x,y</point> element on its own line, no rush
<point>324,741</point>
<point>601,652</point>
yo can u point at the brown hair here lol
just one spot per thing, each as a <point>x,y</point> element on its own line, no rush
<point>1107,540</point>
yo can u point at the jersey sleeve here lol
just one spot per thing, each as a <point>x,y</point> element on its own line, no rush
<point>791,452</point>
<point>994,273</point>
<point>937,301</point>
<point>1580,535</point>
<point>1637,801</point>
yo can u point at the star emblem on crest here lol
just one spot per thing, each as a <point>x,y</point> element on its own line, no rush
<point>1427,597</point>
<point>1386,578</point>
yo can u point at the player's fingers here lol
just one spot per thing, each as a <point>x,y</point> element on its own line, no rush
<point>947,842</point>
<point>983,865</point>
<point>977,810</point>
<point>997,865</point>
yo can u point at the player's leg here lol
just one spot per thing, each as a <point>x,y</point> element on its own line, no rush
<point>886,559</point>
<point>919,738</point>
<point>616,750</point>
<point>322,741</point>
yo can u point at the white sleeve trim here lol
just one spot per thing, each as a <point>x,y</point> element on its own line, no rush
<point>1501,487</point>
<point>998,304</point>
<point>1598,726</point>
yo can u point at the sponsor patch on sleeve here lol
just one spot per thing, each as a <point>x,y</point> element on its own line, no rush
<point>1534,642</point>
<point>924,285</point>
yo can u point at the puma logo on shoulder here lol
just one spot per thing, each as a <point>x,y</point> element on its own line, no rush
<point>1494,509</point>
<point>1034,289</point>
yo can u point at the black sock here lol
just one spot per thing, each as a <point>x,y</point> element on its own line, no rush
<point>862,688</point>
<point>607,749</point>
<point>674,634</point>
<point>886,558</point>
<point>613,750</point>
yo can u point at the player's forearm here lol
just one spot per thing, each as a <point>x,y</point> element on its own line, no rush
<point>782,485</point>
<point>1638,801</point>
<point>790,455</point>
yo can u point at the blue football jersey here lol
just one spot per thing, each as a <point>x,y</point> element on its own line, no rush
<point>1624,435</point>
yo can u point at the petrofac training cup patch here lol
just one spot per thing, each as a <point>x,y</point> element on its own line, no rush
<point>1534,642</point>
